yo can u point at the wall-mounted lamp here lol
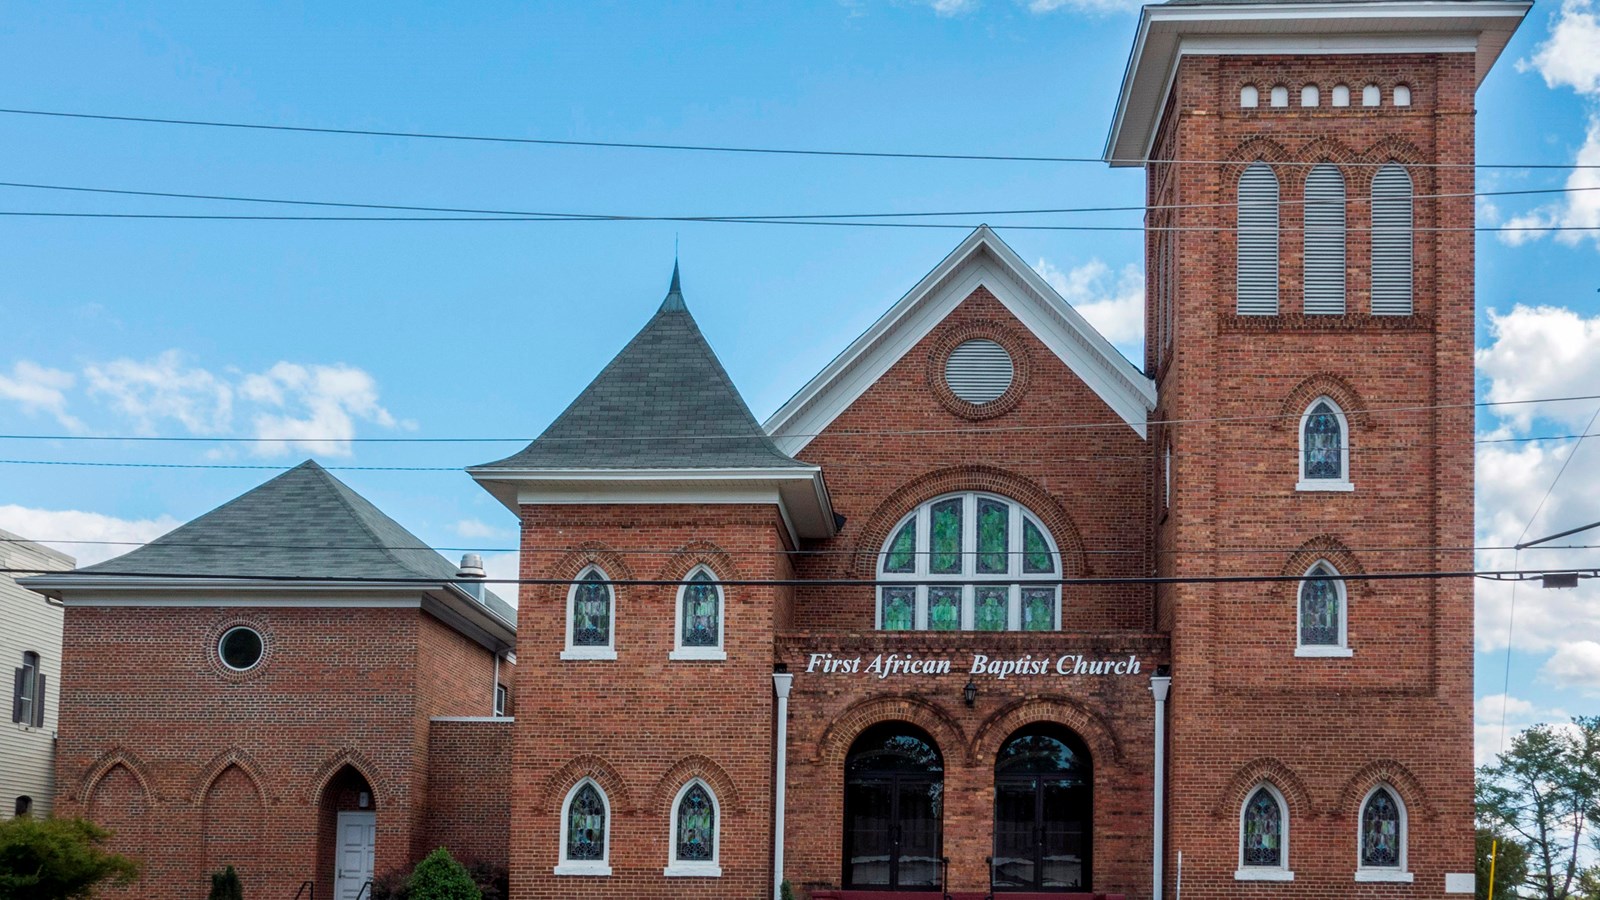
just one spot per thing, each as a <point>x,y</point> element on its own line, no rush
<point>970,692</point>
<point>363,799</point>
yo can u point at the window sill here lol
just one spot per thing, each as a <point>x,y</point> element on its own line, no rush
<point>1391,875</point>
<point>1250,874</point>
<point>701,653</point>
<point>1324,652</point>
<point>693,870</point>
<point>583,868</point>
<point>1329,485</point>
<point>589,653</point>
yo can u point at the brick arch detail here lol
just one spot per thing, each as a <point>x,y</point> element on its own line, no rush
<point>1392,773</point>
<point>1323,384</point>
<point>117,756</point>
<point>953,337</point>
<point>1323,149</point>
<point>1247,153</point>
<point>1080,719</point>
<point>683,560</point>
<point>575,560</point>
<point>688,769</point>
<point>1393,148</point>
<point>356,760</point>
<point>1323,547</point>
<point>847,726</point>
<point>1256,771</point>
<point>232,758</point>
<point>591,766</point>
<point>988,479</point>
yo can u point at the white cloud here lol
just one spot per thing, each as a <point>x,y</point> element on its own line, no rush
<point>1518,714</point>
<point>477,528</point>
<point>1113,303</point>
<point>1575,665</point>
<point>1571,57</point>
<point>38,389</point>
<point>1541,351</point>
<point>504,565</point>
<point>59,528</point>
<point>948,8</point>
<point>164,388</point>
<point>320,406</point>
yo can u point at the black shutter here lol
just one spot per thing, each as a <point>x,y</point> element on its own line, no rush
<point>38,703</point>
<point>17,690</point>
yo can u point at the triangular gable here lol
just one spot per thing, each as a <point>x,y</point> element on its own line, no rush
<point>982,260</point>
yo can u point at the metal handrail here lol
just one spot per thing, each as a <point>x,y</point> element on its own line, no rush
<point>306,884</point>
<point>990,861</point>
<point>944,878</point>
<point>365,889</point>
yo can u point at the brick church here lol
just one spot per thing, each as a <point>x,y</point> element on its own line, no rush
<point>984,608</point>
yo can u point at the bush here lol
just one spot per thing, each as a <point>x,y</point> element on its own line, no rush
<point>58,859</point>
<point>225,885</point>
<point>494,881</point>
<point>786,890</point>
<point>394,885</point>
<point>440,877</point>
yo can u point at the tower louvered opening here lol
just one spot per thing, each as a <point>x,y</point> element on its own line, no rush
<point>1257,288</point>
<point>1325,242</point>
<point>979,371</point>
<point>1391,241</point>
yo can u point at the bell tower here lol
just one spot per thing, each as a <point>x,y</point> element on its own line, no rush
<point>1309,325</point>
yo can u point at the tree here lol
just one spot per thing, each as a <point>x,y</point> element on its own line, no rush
<point>58,859</point>
<point>1543,792</point>
<point>1510,868</point>
<point>440,877</point>
<point>225,885</point>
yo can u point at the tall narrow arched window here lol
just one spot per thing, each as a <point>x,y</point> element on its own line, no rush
<point>696,818</point>
<point>970,537</point>
<point>700,609</point>
<point>1321,616</point>
<point>1264,837</point>
<point>1257,242</point>
<point>590,627</point>
<point>1324,241</point>
<point>1383,836</point>
<point>585,831</point>
<point>1324,448</point>
<point>1249,97</point>
<point>1391,241</point>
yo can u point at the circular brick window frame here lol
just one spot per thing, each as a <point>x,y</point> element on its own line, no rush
<point>214,649</point>
<point>992,331</point>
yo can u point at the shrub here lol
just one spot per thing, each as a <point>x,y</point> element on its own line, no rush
<point>493,880</point>
<point>786,890</point>
<point>440,877</point>
<point>58,859</point>
<point>394,885</point>
<point>225,885</point>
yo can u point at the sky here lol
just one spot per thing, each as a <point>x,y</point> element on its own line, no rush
<point>311,333</point>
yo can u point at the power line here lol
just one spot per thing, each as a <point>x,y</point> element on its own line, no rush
<point>706,148</point>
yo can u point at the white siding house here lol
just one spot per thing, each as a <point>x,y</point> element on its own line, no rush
<point>30,659</point>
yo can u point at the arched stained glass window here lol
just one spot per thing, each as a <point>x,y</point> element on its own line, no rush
<point>694,832</point>
<point>1263,841</point>
<point>1324,450</point>
<point>589,617</point>
<point>700,609</point>
<point>1321,608</point>
<point>977,537</point>
<point>1382,830</point>
<point>585,844</point>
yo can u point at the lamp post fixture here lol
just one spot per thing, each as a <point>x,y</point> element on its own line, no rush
<point>970,692</point>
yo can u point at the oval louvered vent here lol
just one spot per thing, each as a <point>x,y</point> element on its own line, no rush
<point>1324,242</point>
<point>1257,242</point>
<point>1391,242</point>
<point>978,371</point>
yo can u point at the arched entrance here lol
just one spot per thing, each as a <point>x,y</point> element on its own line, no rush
<point>1043,811</point>
<point>893,809</point>
<point>347,839</point>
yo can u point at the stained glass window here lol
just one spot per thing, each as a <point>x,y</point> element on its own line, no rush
<point>946,537</point>
<point>899,608</point>
<point>1323,443</point>
<point>944,608</point>
<point>994,519</point>
<point>903,549</point>
<point>702,611</point>
<point>591,611</point>
<point>992,609</point>
<point>697,826</point>
<point>1263,830</point>
<point>586,825</point>
<point>1036,555</point>
<point>1038,609</point>
<point>1380,831</point>
<point>1319,608</point>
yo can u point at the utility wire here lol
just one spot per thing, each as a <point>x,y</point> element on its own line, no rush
<point>705,148</point>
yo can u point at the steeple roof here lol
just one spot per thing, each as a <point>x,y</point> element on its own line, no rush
<point>664,402</point>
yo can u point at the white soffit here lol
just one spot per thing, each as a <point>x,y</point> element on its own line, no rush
<point>982,260</point>
<point>1167,33</point>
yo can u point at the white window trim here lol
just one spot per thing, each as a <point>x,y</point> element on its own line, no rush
<point>1013,577</point>
<point>679,651</point>
<point>609,650</point>
<point>1280,872</point>
<point>602,866</point>
<point>1401,873</point>
<point>1343,482</point>
<point>501,695</point>
<point>223,639</point>
<point>1340,649</point>
<point>696,868</point>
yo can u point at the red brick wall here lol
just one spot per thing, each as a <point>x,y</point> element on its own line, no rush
<point>469,799</point>
<point>1244,707</point>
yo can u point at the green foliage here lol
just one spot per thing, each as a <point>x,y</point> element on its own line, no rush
<point>1541,793</point>
<point>58,859</point>
<point>786,890</point>
<point>225,885</point>
<point>395,885</point>
<point>1510,870</point>
<point>494,881</point>
<point>440,877</point>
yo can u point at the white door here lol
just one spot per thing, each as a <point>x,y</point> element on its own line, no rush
<point>358,839</point>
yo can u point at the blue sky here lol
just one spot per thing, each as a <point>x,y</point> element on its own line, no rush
<point>442,330</point>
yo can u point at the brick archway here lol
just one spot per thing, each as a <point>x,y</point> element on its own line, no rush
<point>848,725</point>
<point>1080,720</point>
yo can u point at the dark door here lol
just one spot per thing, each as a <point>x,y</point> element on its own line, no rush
<point>1042,811</point>
<point>893,810</point>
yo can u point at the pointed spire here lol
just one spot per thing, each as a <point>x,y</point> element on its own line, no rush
<point>674,301</point>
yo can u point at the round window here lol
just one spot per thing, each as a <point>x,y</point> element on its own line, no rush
<point>978,371</point>
<point>240,648</point>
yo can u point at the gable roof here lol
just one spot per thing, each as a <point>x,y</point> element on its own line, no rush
<point>664,402</point>
<point>303,523</point>
<point>982,259</point>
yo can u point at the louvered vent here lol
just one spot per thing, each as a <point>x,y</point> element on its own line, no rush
<point>1258,242</point>
<point>1324,242</point>
<point>1391,242</point>
<point>978,371</point>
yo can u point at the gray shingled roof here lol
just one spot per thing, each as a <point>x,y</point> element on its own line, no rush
<point>664,402</point>
<point>302,523</point>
